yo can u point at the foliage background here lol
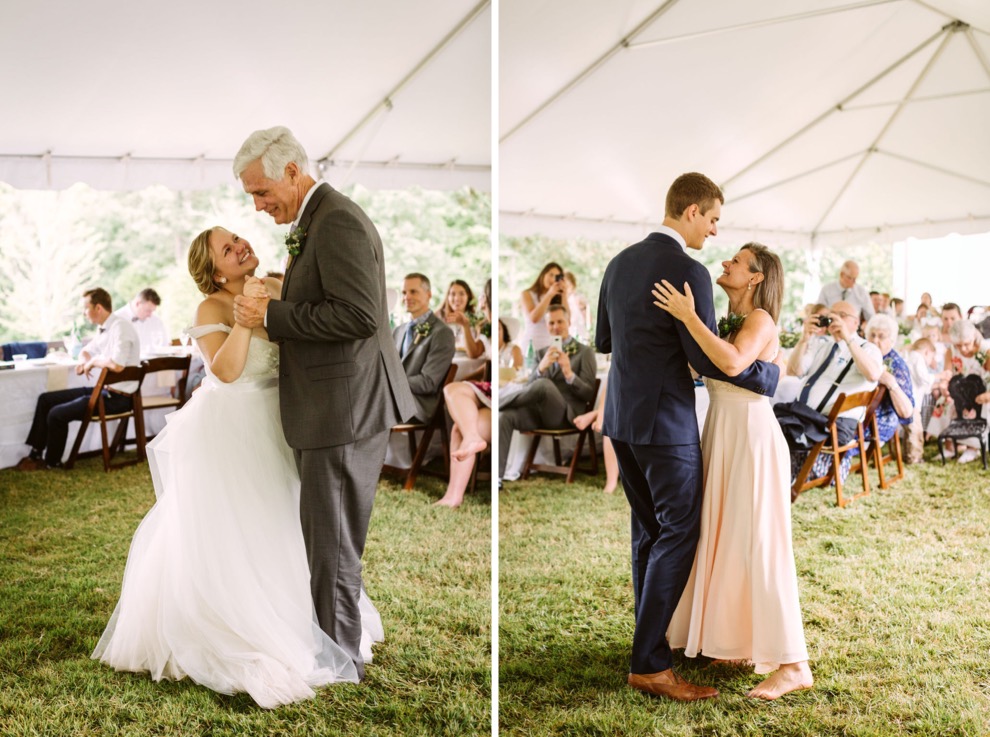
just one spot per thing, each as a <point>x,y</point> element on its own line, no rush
<point>54,245</point>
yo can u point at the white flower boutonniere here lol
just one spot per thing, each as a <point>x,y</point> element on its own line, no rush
<point>294,242</point>
<point>422,330</point>
<point>571,348</point>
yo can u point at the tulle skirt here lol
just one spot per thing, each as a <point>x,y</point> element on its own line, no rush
<point>216,586</point>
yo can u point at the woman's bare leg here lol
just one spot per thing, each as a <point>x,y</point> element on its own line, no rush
<point>611,465</point>
<point>462,404</point>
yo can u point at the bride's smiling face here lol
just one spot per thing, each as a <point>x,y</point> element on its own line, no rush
<point>736,273</point>
<point>233,257</point>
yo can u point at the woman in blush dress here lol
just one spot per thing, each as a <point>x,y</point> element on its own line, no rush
<point>741,600</point>
<point>216,586</point>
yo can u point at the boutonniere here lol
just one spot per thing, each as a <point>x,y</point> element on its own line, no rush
<point>571,348</point>
<point>421,331</point>
<point>730,324</point>
<point>888,363</point>
<point>294,241</point>
<point>981,357</point>
<point>486,329</point>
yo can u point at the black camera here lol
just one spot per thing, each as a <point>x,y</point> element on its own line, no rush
<point>559,277</point>
<point>823,321</point>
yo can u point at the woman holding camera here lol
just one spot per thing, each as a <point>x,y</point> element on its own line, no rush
<point>547,289</point>
<point>740,603</point>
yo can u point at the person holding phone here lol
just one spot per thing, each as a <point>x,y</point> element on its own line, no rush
<point>547,289</point>
<point>558,390</point>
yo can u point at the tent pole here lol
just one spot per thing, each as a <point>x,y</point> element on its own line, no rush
<point>386,102</point>
<point>834,108</point>
<point>624,43</point>
<point>890,121</point>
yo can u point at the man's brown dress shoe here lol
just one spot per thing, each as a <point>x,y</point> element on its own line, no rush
<point>670,685</point>
<point>29,464</point>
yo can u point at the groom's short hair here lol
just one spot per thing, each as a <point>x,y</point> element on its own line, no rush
<point>691,189</point>
<point>99,296</point>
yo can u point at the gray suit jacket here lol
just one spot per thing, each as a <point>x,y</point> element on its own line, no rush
<point>427,363</point>
<point>582,390</point>
<point>340,379</point>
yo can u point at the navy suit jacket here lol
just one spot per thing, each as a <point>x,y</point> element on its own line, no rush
<point>650,398</point>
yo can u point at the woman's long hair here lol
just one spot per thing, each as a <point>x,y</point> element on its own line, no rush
<point>537,286</point>
<point>769,293</point>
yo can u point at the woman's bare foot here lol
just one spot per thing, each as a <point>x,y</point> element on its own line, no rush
<point>610,486</point>
<point>787,678</point>
<point>469,446</point>
<point>448,502</point>
<point>582,421</point>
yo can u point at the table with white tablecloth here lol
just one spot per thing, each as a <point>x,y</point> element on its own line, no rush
<point>20,388</point>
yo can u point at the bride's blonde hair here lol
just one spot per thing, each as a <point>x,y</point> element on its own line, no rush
<point>201,265</point>
<point>769,293</point>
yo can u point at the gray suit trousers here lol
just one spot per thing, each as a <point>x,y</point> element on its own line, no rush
<point>539,405</point>
<point>338,491</point>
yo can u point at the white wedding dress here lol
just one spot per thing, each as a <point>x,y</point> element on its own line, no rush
<point>216,585</point>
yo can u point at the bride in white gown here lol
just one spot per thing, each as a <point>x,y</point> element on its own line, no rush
<point>216,585</point>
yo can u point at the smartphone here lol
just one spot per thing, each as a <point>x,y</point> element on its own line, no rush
<point>557,342</point>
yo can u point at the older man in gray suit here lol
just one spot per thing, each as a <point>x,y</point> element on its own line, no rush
<point>558,390</point>
<point>341,385</point>
<point>425,344</point>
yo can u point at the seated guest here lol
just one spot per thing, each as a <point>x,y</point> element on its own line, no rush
<point>847,290</point>
<point>595,418</point>
<point>577,305</point>
<point>469,404</point>
<point>876,299</point>
<point>426,345</point>
<point>140,311</point>
<point>969,354</point>
<point>115,346</point>
<point>951,313</point>
<point>813,333</point>
<point>509,355</point>
<point>846,364</point>
<point>560,386</point>
<point>921,363</point>
<point>457,311</point>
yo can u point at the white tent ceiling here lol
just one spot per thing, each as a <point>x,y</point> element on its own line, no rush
<point>826,121</point>
<point>122,94</point>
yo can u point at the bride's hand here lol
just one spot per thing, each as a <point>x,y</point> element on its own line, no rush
<point>681,306</point>
<point>255,288</point>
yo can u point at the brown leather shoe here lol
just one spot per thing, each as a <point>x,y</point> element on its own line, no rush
<point>668,684</point>
<point>29,464</point>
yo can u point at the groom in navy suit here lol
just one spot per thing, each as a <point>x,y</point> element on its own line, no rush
<point>650,417</point>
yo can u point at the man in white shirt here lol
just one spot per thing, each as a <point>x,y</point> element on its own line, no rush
<point>846,290</point>
<point>826,365</point>
<point>115,347</point>
<point>140,312</point>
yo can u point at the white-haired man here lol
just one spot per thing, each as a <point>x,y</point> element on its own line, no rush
<point>341,384</point>
<point>847,290</point>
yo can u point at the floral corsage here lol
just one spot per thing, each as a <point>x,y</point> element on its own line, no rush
<point>294,241</point>
<point>486,329</point>
<point>571,348</point>
<point>421,331</point>
<point>730,324</point>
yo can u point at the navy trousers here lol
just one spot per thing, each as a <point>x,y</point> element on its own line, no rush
<point>664,487</point>
<point>54,412</point>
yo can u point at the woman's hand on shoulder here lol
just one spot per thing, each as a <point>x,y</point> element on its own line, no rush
<point>668,299</point>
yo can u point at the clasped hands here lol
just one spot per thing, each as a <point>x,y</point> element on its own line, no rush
<point>251,306</point>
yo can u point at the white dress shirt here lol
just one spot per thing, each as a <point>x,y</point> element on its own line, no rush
<point>852,383</point>
<point>118,341</point>
<point>151,331</point>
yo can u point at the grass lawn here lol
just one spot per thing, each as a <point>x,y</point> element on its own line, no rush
<point>895,592</point>
<point>64,537</point>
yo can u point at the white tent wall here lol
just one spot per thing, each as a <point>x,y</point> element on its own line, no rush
<point>121,94</point>
<point>828,122</point>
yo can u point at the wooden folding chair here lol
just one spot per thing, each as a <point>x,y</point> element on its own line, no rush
<point>876,452</point>
<point>571,469</point>
<point>417,450</point>
<point>178,397</point>
<point>96,412</point>
<point>842,404</point>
